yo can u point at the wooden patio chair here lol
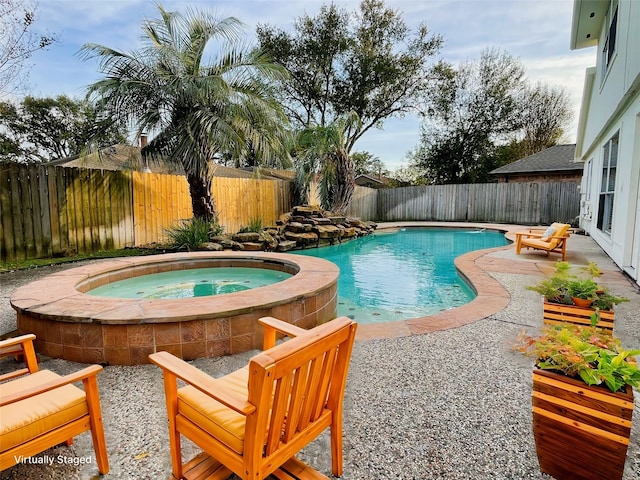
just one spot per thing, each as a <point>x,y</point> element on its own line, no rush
<point>39,409</point>
<point>253,421</point>
<point>552,240</point>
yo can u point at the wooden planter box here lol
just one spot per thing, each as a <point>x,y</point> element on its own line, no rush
<point>581,432</point>
<point>557,314</point>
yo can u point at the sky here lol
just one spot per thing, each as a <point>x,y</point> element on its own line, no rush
<point>534,31</point>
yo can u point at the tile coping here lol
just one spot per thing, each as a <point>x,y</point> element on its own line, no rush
<point>61,296</point>
<point>491,295</point>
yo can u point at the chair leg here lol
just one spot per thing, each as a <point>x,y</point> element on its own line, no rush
<point>97,427</point>
<point>336,446</point>
<point>69,442</point>
<point>171,394</point>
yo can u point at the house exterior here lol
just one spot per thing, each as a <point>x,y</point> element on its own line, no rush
<point>608,137</point>
<point>553,164</point>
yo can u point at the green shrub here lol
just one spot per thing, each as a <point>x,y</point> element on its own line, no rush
<point>189,234</point>
<point>255,225</point>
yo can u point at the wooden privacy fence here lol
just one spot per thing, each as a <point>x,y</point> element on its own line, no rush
<point>47,211</point>
<point>519,203</point>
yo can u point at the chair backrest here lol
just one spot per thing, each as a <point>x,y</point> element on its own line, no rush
<point>560,229</point>
<point>297,386</point>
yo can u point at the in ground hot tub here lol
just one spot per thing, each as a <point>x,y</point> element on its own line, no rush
<point>69,323</point>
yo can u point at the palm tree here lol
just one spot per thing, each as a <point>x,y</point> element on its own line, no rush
<point>197,111</point>
<point>324,153</point>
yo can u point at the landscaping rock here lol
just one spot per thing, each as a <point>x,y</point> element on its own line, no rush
<point>252,246</point>
<point>210,247</point>
<point>286,245</point>
<point>246,237</point>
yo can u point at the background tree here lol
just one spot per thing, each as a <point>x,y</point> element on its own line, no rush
<point>200,108</point>
<point>482,115</point>
<point>546,111</point>
<point>45,129</point>
<point>18,42</point>
<point>367,163</point>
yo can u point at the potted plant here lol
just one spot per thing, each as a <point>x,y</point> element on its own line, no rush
<point>582,401</point>
<point>582,291</point>
<point>565,292</point>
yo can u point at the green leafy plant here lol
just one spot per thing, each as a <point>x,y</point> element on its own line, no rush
<point>556,288</point>
<point>255,225</point>
<point>605,300</point>
<point>189,234</point>
<point>587,353</point>
<point>563,285</point>
<point>592,269</point>
<point>583,288</point>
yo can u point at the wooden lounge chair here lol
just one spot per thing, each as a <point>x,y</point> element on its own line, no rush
<point>39,409</point>
<point>253,421</point>
<point>551,240</point>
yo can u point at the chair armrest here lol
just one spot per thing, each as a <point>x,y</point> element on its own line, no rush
<point>273,325</point>
<point>21,340</point>
<point>200,380</point>
<point>22,345</point>
<point>83,374</point>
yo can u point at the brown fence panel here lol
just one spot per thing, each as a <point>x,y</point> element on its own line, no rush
<point>47,211</point>
<point>240,201</point>
<point>524,203</point>
<point>364,204</point>
<point>159,201</point>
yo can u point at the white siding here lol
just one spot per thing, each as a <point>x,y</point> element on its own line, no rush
<point>610,105</point>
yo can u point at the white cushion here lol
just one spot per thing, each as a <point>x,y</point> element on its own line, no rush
<point>547,233</point>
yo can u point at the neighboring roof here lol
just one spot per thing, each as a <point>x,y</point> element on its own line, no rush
<point>118,157</point>
<point>261,172</point>
<point>552,159</point>
<point>127,158</point>
<point>372,178</point>
<point>586,23</point>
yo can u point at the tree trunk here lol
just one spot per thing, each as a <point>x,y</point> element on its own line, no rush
<point>202,202</point>
<point>345,184</point>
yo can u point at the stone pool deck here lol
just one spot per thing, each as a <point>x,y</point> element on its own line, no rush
<point>454,403</point>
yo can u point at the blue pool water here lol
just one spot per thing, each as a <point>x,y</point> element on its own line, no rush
<point>196,282</point>
<point>403,274</point>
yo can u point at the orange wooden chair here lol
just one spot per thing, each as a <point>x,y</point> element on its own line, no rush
<point>253,421</point>
<point>39,409</point>
<point>552,240</point>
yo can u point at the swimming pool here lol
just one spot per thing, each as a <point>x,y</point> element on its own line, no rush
<point>402,274</point>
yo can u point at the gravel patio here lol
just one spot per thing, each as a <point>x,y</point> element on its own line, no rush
<point>450,404</point>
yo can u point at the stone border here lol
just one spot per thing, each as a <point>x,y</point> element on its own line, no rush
<point>491,295</point>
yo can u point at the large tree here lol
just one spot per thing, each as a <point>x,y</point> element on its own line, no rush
<point>45,129</point>
<point>18,41</point>
<point>198,108</point>
<point>368,62</point>
<point>482,115</point>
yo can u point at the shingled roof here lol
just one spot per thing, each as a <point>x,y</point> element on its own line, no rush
<point>127,157</point>
<point>559,158</point>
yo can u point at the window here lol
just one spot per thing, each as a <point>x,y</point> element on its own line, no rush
<point>610,43</point>
<point>608,184</point>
